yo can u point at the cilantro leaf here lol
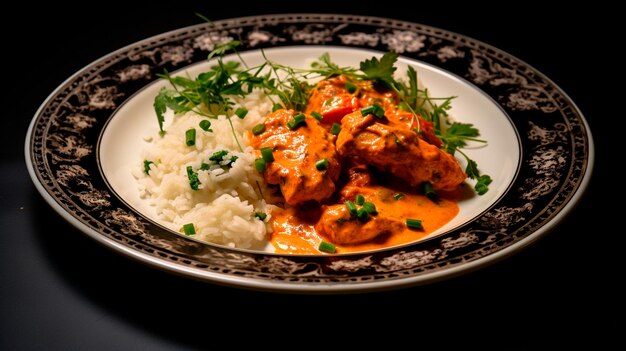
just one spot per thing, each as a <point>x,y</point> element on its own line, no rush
<point>482,183</point>
<point>381,70</point>
<point>472,169</point>
<point>456,136</point>
<point>167,99</point>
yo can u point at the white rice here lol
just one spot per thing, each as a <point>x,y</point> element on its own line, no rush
<point>223,208</point>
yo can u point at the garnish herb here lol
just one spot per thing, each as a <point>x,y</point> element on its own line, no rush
<point>350,87</point>
<point>260,165</point>
<point>317,116</point>
<point>427,189</point>
<point>205,125</point>
<point>374,109</point>
<point>321,165</point>
<point>258,129</point>
<point>194,182</point>
<point>218,156</point>
<point>189,229</point>
<point>276,107</point>
<point>146,166</point>
<point>260,215</point>
<point>362,214</point>
<point>359,199</point>
<point>351,207</point>
<point>335,129</point>
<point>241,112</point>
<point>327,247</point>
<point>266,154</point>
<point>370,208</point>
<point>296,121</point>
<point>414,223</point>
<point>190,137</point>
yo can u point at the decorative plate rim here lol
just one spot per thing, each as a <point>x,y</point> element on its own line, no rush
<point>514,84</point>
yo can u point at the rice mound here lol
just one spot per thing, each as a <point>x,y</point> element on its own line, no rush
<point>223,208</point>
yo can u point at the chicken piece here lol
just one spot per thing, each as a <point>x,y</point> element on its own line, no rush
<point>359,178</point>
<point>398,151</point>
<point>404,119</point>
<point>339,227</point>
<point>331,99</point>
<point>295,154</point>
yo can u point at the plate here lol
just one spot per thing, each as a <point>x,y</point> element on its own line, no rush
<point>83,138</point>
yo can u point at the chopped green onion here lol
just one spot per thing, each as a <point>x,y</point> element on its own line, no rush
<point>266,153</point>
<point>322,164</point>
<point>260,215</point>
<point>299,118</point>
<point>260,165</point>
<point>327,247</point>
<point>146,166</point>
<point>359,199</point>
<point>276,107</point>
<point>296,121</point>
<point>218,156</point>
<point>350,87</point>
<point>317,116</point>
<point>258,129</point>
<point>428,190</point>
<point>362,214</point>
<point>335,129</point>
<point>193,178</point>
<point>398,196</point>
<point>205,125</point>
<point>241,112</point>
<point>374,109</point>
<point>189,229</point>
<point>190,137</point>
<point>351,207</point>
<point>204,166</point>
<point>370,208</point>
<point>414,223</point>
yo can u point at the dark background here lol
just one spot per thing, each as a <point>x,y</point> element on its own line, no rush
<point>61,290</point>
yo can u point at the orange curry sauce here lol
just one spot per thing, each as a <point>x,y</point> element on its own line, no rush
<point>294,230</point>
<point>399,161</point>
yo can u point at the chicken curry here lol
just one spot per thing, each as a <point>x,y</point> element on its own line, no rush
<point>356,171</point>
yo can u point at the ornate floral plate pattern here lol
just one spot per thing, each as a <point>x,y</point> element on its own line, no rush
<point>557,156</point>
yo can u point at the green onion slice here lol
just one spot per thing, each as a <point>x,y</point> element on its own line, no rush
<point>327,247</point>
<point>414,223</point>
<point>359,199</point>
<point>260,215</point>
<point>258,129</point>
<point>241,112</point>
<point>322,164</point>
<point>351,207</point>
<point>266,153</point>
<point>428,190</point>
<point>370,208</point>
<point>190,137</point>
<point>350,87</point>
<point>335,129</point>
<point>317,116</point>
<point>260,165</point>
<point>189,229</point>
<point>205,125</point>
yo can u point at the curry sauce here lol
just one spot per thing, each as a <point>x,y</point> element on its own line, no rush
<point>350,168</point>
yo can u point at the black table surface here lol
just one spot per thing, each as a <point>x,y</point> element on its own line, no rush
<point>61,290</point>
